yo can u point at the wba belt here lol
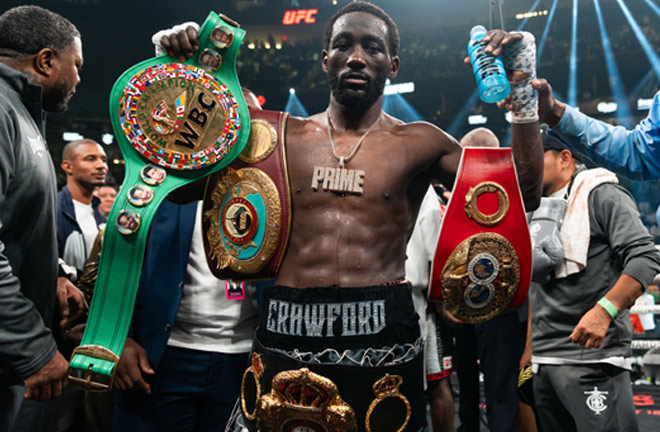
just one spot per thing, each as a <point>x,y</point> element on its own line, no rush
<point>247,212</point>
<point>483,260</point>
<point>175,123</point>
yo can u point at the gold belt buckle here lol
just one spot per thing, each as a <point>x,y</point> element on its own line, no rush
<point>88,380</point>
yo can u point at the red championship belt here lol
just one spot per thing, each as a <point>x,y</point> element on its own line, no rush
<point>483,262</point>
<point>246,217</point>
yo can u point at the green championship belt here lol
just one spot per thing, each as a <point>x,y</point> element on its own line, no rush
<point>175,123</point>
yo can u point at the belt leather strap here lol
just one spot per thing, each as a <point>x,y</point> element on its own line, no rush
<point>483,260</point>
<point>175,123</point>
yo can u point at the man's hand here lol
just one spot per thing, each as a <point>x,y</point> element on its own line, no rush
<point>446,316</point>
<point>591,329</point>
<point>75,334</point>
<point>47,382</point>
<point>550,109</point>
<point>132,364</point>
<point>71,302</point>
<point>181,44</point>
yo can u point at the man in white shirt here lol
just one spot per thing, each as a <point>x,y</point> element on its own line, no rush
<point>78,220</point>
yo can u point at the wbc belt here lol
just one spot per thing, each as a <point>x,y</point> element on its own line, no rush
<point>175,123</point>
<point>246,217</point>
<point>483,260</point>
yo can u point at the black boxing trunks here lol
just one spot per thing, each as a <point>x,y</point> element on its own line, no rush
<point>335,359</point>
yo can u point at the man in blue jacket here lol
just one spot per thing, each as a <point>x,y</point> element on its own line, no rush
<point>631,153</point>
<point>188,343</point>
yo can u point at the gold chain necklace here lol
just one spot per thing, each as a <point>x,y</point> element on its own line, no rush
<point>343,159</point>
<point>341,179</point>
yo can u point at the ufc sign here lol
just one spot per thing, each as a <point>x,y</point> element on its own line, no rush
<point>292,17</point>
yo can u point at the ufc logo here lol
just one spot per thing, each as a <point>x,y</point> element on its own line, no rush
<point>292,17</point>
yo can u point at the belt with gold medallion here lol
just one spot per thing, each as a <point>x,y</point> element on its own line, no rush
<point>175,123</point>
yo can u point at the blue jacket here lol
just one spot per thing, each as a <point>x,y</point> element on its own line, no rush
<point>163,273</point>
<point>631,153</point>
<point>67,223</point>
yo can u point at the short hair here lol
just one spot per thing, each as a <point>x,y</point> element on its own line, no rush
<point>70,149</point>
<point>392,29</point>
<point>26,30</point>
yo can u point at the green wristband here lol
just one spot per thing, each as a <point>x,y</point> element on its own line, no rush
<point>609,307</point>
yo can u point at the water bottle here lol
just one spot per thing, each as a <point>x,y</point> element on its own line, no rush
<point>488,69</point>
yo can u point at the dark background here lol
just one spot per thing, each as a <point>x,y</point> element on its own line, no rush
<point>434,34</point>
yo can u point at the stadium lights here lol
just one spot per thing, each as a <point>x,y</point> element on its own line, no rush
<point>292,91</point>
<point>644,104</point>
<point>71,136</point>
<point>477,119</point>
<point>531,14</point>
<point>401,88</point>
<point>606,107</point>
<point>107,138</point>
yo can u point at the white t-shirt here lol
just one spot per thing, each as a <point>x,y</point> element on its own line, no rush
<point>87,223</point>
<point>206,319</point>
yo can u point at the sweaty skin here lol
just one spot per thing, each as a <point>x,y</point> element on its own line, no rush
<point>356,240</point>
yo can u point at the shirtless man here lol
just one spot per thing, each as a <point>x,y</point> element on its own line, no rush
<point>344,237</point>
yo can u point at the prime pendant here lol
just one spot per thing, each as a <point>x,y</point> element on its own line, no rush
<point>338,179</point>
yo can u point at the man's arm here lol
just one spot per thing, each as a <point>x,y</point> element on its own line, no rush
<point>133,363</point>
<point>26,344</point>
<point>518,52</point>
<point>528,156</point>
<point>632,153</point>
<point>616,214</point>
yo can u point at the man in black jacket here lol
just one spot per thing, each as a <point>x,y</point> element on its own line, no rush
<point>40,54</point>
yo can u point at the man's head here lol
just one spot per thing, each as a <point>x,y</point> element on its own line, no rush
<point>209,60</point>
<point>559,163</point>
<point>154,174</point>
<point>107,193</point>
<point>127,221</point>
<point>251,99</point>
<point>85,164</point>
<point>360,52</point>
<point>480,137</point>
<point>141,193</point>
<point>45,46</point>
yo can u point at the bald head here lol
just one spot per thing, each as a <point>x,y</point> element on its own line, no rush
<point>250,98</point>
<point>71,149</point>
<point>480,137</point>
<point>85,165</point>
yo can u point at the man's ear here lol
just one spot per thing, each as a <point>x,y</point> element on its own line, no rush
<point>66,167</point>
<point>394,67</point>
<point>324,61</point>
<point>44,62</point>
<point>566,157</point>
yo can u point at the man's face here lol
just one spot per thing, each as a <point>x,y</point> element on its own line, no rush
<point>88,166</point>
<point>140,193</point>
<point>155,174</point>
<point>210,60</point>
<point>107,195</point>
<point>61,86</point>
<point>126,221</point>
<point>552,178</point>
<point>221,36</point>
<point>358,61</point>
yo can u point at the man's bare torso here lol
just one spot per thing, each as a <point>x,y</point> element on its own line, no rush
<point>346,239</point>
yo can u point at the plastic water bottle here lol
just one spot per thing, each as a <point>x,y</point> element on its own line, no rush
<point>488,69</point>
